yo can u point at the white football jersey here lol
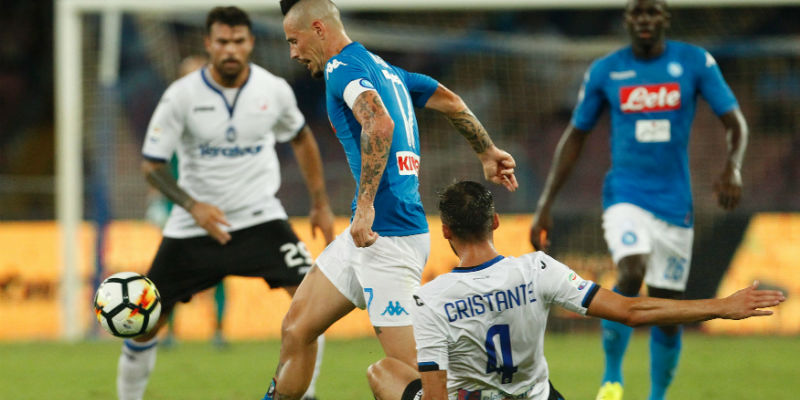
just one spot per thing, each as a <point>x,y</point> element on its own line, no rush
<point>485,325</point>
<point>225,142</point>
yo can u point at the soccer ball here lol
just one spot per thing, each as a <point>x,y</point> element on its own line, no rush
<point>127,304</point>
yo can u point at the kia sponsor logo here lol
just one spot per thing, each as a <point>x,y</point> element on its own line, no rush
<point>407,163</point>
<point>648,98</point>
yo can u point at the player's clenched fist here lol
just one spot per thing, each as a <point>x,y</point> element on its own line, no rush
<point>361,227</point>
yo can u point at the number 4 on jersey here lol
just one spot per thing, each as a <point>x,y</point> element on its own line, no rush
<point>506,365</point>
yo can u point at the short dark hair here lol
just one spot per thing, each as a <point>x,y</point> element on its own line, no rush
<point>467,208</point>
<point>287,5</point>
<point>231,16</point>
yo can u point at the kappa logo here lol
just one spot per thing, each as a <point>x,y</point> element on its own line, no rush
<point>648,98</point>
<point>333,65</point>
<point>407,163</point>
<point>394,309</point>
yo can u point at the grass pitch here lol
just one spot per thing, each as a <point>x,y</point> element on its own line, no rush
<point>711,368</point>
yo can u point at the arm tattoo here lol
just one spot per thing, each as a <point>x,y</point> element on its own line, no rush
<point>375,142</point>
<point>472,130</point>
<point>163,180</point>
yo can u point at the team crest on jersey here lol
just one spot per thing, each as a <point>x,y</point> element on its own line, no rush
<point>230,134</point>
<point>674,69</point>
<point>650,98</point>
<point>407,163</point>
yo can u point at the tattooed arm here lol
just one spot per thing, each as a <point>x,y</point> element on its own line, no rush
<point>206,215</point>
<point>376,140</point>
<point>498,166</point>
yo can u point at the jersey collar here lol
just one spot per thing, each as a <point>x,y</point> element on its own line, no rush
<point>485,265</point>
<point>213,86</point>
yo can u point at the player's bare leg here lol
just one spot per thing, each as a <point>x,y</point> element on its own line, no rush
<point>390,378</point>
<point>316,305</point>
<point>665,349</point>
<point>137,361</point>
<point>616,336</point>
<point>398,343</point>
<point>312,386</point>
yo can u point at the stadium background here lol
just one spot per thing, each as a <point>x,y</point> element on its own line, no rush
<point>519,70</point>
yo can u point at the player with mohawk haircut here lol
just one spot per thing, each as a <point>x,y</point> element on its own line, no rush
<point>376,264</point>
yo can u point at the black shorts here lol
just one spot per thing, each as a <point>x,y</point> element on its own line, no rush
<point>183,267</point>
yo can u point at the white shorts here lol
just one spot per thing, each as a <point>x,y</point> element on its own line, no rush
<point>632,230</point>
<point>381,278</point>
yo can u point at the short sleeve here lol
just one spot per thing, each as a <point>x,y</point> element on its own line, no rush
<point>165,127</point>
<point>558,284</point>
<point>420,86</point>
<point>713,86</point>
<point>430,333</point>
<point>590,99</point>
<point>291,120</point>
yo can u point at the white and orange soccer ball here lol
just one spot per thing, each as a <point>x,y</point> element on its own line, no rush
<point>127,304</point>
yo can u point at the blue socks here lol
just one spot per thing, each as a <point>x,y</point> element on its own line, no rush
<point>664,353</point>
<point>615,342</point>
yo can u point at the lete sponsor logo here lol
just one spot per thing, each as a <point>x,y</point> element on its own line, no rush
<point>649,98</point>
<point>407,163</point>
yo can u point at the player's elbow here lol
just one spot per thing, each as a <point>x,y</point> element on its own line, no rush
<point>384,126</point>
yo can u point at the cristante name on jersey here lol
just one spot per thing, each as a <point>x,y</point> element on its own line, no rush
<point>407,163</point>
<point>233,151</point>
<point>649,98</point>
<point>496,301</point>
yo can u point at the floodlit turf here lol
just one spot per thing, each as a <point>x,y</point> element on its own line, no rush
<point>726,368</point>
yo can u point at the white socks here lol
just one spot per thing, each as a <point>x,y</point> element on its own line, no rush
<point>133,371</point>
<point>312,387</point>
<point>139,358</point>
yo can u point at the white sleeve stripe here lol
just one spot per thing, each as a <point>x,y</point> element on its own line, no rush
<point>352,90</point>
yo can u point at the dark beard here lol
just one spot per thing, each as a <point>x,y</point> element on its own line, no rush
<point>228,78</point>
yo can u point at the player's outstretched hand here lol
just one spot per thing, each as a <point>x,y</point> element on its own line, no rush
<point>748,302</point>
<point>321,218</point>
<point>542,223</point>
<point>498,167</point>
<point>361,227</point>
<point>210,218</point>
<point>728,188</point>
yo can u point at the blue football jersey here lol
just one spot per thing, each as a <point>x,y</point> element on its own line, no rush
<point>652,105</point>
<point>398,207</point>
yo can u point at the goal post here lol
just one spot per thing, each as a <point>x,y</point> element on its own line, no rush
<point>71,64</point>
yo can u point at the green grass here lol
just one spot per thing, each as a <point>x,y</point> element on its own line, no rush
<point>711,368</point>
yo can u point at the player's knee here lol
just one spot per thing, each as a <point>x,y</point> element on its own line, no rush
<point>375,375</point>
<point>294,333</point>
<point>631,271</point>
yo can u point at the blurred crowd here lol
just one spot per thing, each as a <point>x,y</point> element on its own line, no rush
<point>519,71</point>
